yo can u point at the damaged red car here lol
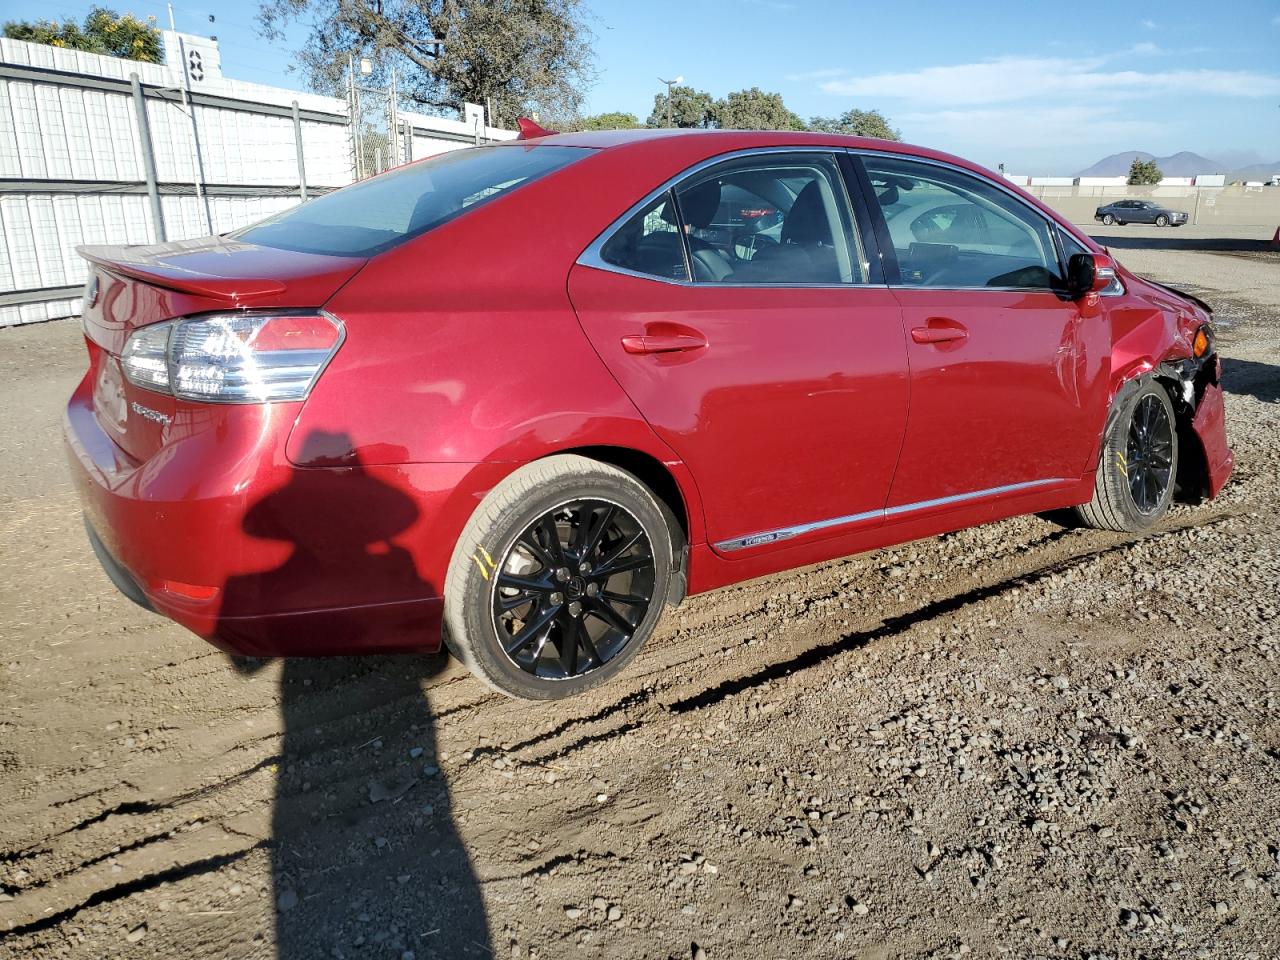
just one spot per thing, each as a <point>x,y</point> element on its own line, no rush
<point>523,397</point>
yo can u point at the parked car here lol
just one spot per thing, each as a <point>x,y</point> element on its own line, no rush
<point>522,397</point>
<point>1139,211</point>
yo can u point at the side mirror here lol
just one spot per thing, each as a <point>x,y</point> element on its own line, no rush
<point>1089,273</point>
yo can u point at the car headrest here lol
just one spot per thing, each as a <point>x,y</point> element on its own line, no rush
<point>698,205</point>
<point>806,222</point>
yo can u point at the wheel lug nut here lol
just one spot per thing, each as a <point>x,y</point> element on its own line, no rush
<point>575,608</point>
<point>584,567</point>
<point>557,598</point>
<point>593,589</point>
<point>562,574</point>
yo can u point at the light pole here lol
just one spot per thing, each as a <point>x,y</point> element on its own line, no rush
<point>670,84</point>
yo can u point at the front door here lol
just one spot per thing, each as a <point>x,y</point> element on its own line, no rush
<point>1006,371</point>
<point>737,312</point>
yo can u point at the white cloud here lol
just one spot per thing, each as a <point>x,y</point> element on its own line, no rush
<point>1149,24</point>
<point>1011,79</point>
<point>1067,126</point>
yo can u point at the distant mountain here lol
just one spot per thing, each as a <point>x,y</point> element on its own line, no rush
<point>1257,171</point>
<point>1184,164</point>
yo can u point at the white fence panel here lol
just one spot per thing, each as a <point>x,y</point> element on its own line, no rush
<point>73,153</point>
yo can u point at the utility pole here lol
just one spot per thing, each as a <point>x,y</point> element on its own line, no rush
<point>670,84</point>
<point>201,199</point>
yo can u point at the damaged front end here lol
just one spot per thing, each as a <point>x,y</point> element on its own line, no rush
<point>1195,385</point>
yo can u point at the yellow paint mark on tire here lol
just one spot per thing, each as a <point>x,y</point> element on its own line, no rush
<point>488,559</point>
<point>1122,465</point>
<point>479,563</point>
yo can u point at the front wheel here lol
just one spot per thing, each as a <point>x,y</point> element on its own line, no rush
<point>1108,219</point>
<point>1133,485</point>
<point>1162,221</point>
<point>558,579</point>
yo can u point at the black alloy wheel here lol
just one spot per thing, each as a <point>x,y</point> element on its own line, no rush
<point>1149,454</point>
<point>1138,464</point>
<point>573,588</point>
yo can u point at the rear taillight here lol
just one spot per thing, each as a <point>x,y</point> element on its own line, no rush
<point>233,357</point>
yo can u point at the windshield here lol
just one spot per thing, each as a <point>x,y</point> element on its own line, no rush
<point>372,216</point>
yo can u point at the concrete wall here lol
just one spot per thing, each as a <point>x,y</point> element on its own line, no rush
<point>1223,206</point>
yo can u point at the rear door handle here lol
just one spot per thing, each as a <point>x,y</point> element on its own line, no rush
<point>663,343</point>
<point>939,330</point>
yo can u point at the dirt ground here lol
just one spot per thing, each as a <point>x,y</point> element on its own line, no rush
<point>1017,740</point>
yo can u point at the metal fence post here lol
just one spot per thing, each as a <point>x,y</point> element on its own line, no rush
<point>148,156</point>
<point>302,163</point>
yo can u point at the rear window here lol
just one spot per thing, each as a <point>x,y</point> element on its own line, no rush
<point>366,218</point>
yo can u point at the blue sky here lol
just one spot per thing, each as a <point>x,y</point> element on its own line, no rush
<point>1042,87</point>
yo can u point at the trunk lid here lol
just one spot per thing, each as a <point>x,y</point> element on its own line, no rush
<point>134,286</point>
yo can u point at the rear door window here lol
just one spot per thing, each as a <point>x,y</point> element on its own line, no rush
<point>775,218</point>
<point>649,243</point>
<point>374,215</point>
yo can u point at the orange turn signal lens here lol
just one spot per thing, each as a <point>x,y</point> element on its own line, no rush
<point>1200,345</point>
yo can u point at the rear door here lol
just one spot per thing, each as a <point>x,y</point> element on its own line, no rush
<point>741,314</point>
<point>1005,368</point>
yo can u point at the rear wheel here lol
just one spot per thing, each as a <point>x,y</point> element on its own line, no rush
<point>558,579</point>
<point>1162,221</point>
<point>1133,485</point>
<point>1108,219</point>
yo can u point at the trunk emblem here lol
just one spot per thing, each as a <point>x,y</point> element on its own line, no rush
<point>149,414</point>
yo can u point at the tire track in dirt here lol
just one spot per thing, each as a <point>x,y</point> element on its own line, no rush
<point>1035,571</point>
<point>131,888</point>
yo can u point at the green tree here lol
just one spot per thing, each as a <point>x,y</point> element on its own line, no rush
<point>754,110</point>
<point>104,31</point>
<point>519,57</point>
<point>615,120</point>
<point>689,108</point>
<point>857,123</point>
<point>1144,172</point>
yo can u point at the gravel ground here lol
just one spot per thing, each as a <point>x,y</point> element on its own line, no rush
<point>1014,740</point>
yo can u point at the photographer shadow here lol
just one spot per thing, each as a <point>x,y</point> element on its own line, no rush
<point>365,855</point>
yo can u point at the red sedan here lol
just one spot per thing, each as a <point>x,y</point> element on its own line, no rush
<point>523,397</point>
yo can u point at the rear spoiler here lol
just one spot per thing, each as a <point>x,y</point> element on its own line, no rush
<point>532,130</point>
<point>156,272</point>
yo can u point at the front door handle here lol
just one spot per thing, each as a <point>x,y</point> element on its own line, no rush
<point>663,343</point>
<point>939,330</point>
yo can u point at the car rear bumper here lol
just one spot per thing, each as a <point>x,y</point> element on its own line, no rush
<point>260,557</point>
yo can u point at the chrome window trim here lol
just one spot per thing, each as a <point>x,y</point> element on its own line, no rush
<point>884,513</point>
<point>591,257</point>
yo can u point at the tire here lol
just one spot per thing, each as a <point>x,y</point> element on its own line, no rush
<point>507,580</point>
<point>1108,219</point>
<point>1162,221</point>
<point>1133,485</point>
